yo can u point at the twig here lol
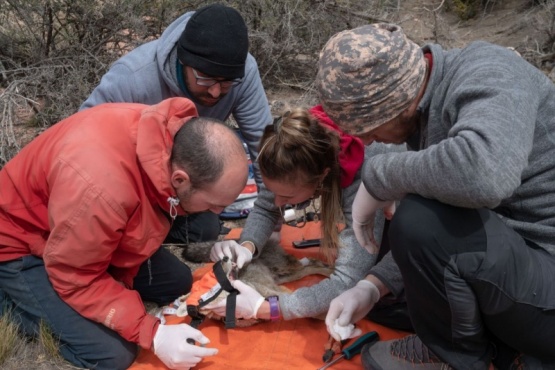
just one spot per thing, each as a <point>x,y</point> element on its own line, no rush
<point>439,7</point>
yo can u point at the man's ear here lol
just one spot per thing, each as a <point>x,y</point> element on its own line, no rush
<point>180,179</point>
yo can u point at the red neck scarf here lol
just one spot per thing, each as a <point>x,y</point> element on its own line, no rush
<point>351,155</point>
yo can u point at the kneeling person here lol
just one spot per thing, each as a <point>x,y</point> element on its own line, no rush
<point>83,211</point>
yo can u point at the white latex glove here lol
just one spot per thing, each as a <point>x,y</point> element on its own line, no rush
<point>170,345</point>
<point>364,214</point>
<point>230,248</point>
<point>247,303</point>
<point>351,306</point>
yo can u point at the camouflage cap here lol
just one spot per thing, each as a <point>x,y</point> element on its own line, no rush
<point>368,76</point>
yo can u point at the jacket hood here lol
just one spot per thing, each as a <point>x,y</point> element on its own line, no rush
<point>166,51</point>
<point>155,132</point>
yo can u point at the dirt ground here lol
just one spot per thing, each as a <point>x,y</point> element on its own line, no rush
<point>510,23</point>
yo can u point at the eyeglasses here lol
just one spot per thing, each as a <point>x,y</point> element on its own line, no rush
<point>209,81</point>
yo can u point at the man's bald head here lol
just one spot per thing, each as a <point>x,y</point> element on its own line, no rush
<point>204,147</point>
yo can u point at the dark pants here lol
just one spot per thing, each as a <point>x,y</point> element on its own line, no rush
<point>26,292</point>
<point>470,280</point>
<point>390,312</point>
<point>198,227</point>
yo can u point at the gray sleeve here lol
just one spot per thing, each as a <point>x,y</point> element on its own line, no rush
<point>351,266</point>
<point>252,112</point>
<point>388,273</point>
<point>117,85</point>
<point>261,220</point>
<point>134,78</point>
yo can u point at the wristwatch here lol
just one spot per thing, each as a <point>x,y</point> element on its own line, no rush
<point>274,307</point>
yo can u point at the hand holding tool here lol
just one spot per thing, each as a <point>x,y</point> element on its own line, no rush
<point>355,348</point>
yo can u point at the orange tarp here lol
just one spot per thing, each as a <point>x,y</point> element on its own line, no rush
<point>293,344</point>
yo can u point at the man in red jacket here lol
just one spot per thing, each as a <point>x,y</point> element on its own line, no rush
<point>83,211</point>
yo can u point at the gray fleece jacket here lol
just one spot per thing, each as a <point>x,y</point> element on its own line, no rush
<point>352,263</point>
<point>486,140</point>
<point>148,75</point>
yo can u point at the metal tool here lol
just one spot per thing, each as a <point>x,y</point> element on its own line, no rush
<point>332,348</point>
<point>328,355</point>
<point>355,348</point>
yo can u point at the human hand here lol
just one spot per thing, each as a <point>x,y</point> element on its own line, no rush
<point>351,306</point>
<point>247,303</point>
<point>170,345</point>
<point>230,248</point>
<point>364,214</point>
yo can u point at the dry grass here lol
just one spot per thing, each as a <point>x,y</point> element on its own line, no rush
<point>10,341</point>
<point>49,343</point>
<point>18,352</point>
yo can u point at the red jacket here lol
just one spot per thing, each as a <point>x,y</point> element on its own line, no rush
<point>88,196</point>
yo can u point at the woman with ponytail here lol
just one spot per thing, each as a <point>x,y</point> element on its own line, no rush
<point>304,156</point>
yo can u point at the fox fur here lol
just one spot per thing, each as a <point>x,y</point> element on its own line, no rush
<point>265,273</point>
<point>269,270</point>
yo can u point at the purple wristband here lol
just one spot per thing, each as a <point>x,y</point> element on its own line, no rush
<point>274,307</point>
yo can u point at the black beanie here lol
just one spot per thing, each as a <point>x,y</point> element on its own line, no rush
<point>215,42</point>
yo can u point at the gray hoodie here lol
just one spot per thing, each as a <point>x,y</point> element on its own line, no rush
<point>148,75</point>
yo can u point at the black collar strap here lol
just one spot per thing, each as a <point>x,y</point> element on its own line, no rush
<point>231,298</point>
